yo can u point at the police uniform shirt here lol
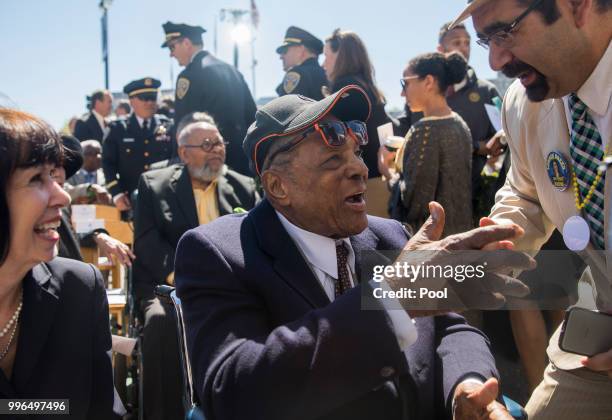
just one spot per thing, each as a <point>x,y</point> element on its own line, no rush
<point>129,150</point>
<point>210,85</point>
<point>306,79</point>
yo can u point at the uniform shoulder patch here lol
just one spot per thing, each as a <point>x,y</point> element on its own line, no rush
<point>291,80</point>
<point>182,86</point>
<point>474,96</point>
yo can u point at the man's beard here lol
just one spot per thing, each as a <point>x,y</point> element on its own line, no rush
<point>538,90</point>
<point>205,173</point>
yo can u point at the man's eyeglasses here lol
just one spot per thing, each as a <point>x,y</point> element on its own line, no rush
<point>404,79</point>
<point>333,133</point>
<point>207,145</point>
<point>504,38</point>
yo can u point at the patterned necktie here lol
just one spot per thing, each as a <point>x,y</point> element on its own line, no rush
<point>343,282</point>
<point>587,154</point>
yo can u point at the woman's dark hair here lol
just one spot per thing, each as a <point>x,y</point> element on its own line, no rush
<point>25,141</point>
<point>352,60</point>
<point>446,69</point>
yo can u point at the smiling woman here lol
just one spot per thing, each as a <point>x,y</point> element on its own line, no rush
<point>47,304</point>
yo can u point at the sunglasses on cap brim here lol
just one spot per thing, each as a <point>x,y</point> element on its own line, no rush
<point>333,133</point>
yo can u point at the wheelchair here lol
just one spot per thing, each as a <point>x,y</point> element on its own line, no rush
<point>190,401</point>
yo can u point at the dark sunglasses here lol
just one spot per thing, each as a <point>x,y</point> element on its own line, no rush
<point>334,134</point>
<point>207,144</point>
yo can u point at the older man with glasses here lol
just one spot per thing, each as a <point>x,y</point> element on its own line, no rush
<point>170,202</point>
<point>558,115</point>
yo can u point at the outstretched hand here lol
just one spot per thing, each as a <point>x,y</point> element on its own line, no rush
<point>489,247</point>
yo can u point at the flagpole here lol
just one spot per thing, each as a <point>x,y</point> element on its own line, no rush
<point>104,5</point>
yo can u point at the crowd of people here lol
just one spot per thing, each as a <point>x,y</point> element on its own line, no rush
<point>262,219</point>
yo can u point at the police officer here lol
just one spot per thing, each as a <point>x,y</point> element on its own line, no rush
<point>135,142</point>
<point>300,55</point>
<point>210,85</point>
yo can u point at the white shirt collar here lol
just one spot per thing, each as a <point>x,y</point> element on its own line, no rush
<point>141,121</point>
<point>596,92</point>
<point>318,250</point>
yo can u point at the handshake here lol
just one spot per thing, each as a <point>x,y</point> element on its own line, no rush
<point>484,257</point>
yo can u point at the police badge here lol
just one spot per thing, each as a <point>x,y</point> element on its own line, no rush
<point>292,79</point>
<point>182,86</point>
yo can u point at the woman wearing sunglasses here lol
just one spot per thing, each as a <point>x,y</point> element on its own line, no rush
<point>54,330</point>
<point>347,63</point>
<point>435,161</point>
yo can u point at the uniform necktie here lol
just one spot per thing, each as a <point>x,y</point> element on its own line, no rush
<point>343,282</point>
<point>587,154</point>
<point>145,125</point>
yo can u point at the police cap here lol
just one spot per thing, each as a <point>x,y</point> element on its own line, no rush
<point>298,36</point>
<point>182,30</point>
<point>143,88</point>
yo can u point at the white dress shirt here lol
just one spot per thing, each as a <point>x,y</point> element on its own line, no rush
<point>596,93</point>
<point>320,255</point>
<point>141,121</point>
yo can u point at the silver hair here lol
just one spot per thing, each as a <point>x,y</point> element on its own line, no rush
<point>192,118</point>
<point>93,144</point>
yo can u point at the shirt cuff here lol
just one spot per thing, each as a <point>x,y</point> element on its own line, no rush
<point>403,326</point>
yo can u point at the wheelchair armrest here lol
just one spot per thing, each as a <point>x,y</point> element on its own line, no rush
<point>163,292</point>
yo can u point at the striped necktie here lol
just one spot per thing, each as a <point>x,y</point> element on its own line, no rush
<point>587,154</point>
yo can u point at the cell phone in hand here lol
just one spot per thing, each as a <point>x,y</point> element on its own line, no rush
<point>586,332</point>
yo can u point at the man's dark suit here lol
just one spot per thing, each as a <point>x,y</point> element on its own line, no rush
<point>210,85</point>
<point>166,209</point>
<point>64,340</point>
<point>265,342</point>
<point>88,128</point>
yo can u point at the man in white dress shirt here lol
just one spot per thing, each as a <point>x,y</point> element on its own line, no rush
<point>558,122</point>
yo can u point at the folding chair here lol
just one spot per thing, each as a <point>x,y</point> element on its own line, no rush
<point>190,401</point>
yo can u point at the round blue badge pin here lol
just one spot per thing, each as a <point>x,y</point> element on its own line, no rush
<point>558,170</point>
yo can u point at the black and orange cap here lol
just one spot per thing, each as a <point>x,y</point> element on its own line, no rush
<point>291,114</point>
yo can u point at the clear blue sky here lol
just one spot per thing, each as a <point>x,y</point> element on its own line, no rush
<point>50,53</point>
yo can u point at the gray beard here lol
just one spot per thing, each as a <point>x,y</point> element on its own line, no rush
<point>205,173</point>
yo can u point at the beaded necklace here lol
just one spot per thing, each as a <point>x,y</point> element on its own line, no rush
<point>581,204</point>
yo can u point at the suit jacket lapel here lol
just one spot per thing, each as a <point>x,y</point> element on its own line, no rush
<point>184,194</point>
<point>364,246</point>
<point>95,126</point>
<point>289,263</point>
<point>226,197</point>
<point>40,302</point>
